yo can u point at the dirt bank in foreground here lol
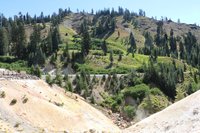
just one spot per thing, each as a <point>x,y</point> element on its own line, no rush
<point>38,108</point>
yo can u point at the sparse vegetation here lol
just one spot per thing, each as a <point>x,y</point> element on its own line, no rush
<point>17,125</point>
<point>2,94</point>
<point>13,102</point>
<point>59,104</point>
<point>48,79</point>
<point>25,100</point>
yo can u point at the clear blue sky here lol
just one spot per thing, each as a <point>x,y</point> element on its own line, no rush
<point>187,10</point>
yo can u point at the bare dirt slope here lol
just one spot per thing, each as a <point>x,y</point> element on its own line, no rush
<point>181,117</point>
<point>40,108</point>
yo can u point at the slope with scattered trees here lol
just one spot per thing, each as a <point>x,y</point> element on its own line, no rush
<point>159,58</point>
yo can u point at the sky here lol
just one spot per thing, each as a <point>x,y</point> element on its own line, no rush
<point>188,11</point>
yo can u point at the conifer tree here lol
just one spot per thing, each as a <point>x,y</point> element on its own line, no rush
<point>18,40</point>
<point>49,44</point>
<point>111,57</point>
<point>132,44</point>
<point>40,58</point>
<point>85,44</point>
<point>173,46</point>
<point>120,57</point>
<point>181,49</point>
<point>55,39</point>
<point>148,40</point>
<point>166,47</point>
<point>104,47</point>
<point>159,34</point>
<point>3,41</point>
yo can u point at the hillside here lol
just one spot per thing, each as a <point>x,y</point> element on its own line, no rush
<point>71,25</point>
<point>123,63</point>
<point>116,41</point>
<point>41,108</point>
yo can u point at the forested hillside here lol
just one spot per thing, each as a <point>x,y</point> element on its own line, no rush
<point>124,61</point>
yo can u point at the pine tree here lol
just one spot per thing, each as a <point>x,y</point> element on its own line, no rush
<point>35,40</point>
<point>127,15</point>
<point>189,41</point>
<point>159,34</point>
<point>40,58</point>
<point>49,44</point>
<point>18,40</point>
<point>104,47</point>
<point>173,46</point>
<point>111,57</point>
<point>132,41</point>
<point>166,47</point>
<point>120,57</point>
<point>3,41</point>
<point>66,50</point>
<point>68,86</point>
<point>189,89</point>
<point>181,49</point>
<point>38,72</point>
<point>113,25</point>
<point>22,42</point>
<point>180,94</point>
<point>48,79</point>
<point>85,44</point>
<point>132,44</point>
<point>148,40</point>
<point>55,39</point>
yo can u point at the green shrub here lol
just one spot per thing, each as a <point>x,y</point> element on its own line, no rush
<point>117,51</point>
<point>68,86</point>
<point>7,59</point>
<point>138,91</point>
<point>129,111</point>
<point>154,103</point>
<point>14,64</point>
<point>58,79</point>
<point>180,94</point>
<point>112,102</point>
<point>156,91</point>
<point>48,79</point>
<point>99,53</point>
<point>191,88</point>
